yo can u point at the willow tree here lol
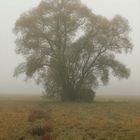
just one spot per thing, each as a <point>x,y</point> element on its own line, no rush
<point>68,48</point>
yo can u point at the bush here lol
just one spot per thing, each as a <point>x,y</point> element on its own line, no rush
<point>86,95</point>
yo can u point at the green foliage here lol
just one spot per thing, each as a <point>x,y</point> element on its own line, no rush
<point>86,95</point>
<point>67,47</point>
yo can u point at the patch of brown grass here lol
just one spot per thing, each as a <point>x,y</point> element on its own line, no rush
<point>71,121</point>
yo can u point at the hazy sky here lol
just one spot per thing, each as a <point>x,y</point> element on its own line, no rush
<point>10,11</point>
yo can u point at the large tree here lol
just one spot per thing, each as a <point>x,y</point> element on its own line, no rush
<point>68,48</point>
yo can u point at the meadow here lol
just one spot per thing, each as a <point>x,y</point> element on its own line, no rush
<point>33,118</point>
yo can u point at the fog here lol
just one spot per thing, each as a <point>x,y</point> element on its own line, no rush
<point>10,12</point>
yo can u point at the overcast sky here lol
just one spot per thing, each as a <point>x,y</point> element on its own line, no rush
<point>10,11</point>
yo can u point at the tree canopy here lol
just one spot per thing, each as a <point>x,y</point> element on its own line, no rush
<point>67,48</point>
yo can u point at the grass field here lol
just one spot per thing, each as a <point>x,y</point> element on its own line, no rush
<point>107,118</point>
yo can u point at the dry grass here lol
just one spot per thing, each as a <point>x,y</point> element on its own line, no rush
<point>101,120</point>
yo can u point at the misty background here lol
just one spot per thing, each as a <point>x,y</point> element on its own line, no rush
<point>10,12</point>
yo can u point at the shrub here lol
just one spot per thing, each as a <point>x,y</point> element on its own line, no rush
<point>86,95</point>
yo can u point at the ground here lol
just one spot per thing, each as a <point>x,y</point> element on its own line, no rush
<point>105,119</point>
